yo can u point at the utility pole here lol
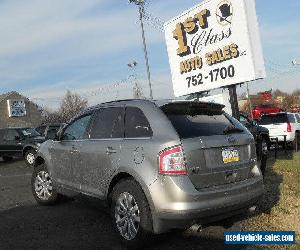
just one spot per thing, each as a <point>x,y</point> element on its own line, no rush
<point>234,102</point>
<point>249,100</point>
<point>140,4</point>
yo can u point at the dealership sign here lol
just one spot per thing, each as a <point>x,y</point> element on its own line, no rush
<point>16,108</point>
<point>214,44</point>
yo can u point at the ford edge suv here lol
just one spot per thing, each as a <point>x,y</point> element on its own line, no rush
<point>158,165</point>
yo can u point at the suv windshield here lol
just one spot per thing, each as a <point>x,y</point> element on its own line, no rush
<point>274,118</point>
<point>198,120</point>
<point>28,132</point>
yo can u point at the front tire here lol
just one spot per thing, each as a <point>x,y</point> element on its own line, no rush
<point>30,157</point>
<point>42,187</point>
<point>131,213</point>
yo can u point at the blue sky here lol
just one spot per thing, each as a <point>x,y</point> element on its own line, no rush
<point>49,46</point>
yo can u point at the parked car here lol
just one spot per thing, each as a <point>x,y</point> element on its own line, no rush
<point>49,131</point>
<point>262,139</point>
<point>20,142</point>
<point>282,125</point>
<point>258,111</point>
<point>158,165</point>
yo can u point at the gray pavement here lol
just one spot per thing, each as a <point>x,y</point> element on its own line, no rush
<point>77,224</point>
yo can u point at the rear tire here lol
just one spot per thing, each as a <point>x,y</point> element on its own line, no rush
<point>42,187</point>
<point>296,141</point>
<point>264,152</point>
<point>131,213</point>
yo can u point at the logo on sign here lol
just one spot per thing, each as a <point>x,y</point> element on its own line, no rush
<point>224,13</point>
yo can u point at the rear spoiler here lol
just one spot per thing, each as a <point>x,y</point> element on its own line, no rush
<point>193,108</point>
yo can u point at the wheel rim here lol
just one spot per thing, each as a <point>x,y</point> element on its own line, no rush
<point>127,215</point>
<point>264,146</point>
<point>43,185</point>
<point>30,158</point>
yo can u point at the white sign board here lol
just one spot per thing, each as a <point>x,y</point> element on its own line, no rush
<point>16,108</point>
<point>214,44</point>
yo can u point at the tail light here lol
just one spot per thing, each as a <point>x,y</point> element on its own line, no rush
<point>172,162</point>
<point>289,127</point>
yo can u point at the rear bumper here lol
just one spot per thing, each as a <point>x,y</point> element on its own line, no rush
<point>289,138</point>
<point>179,205</point>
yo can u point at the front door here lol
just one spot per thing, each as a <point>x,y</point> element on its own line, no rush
<point>66,152</point>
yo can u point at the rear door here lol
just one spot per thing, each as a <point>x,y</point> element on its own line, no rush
<point>217,149</point>
<point>99,156</point>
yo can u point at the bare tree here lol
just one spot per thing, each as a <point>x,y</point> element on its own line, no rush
<point>71,105</point>
<point>50,117</point>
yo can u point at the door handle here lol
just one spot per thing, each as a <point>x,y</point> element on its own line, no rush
<point>110,150</point>
<point>74,150</point>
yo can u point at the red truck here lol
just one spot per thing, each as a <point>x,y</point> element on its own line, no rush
<point>264,109</point>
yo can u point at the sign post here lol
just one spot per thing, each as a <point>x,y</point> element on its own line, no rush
<point>215,44</point>
<point>234,102</point>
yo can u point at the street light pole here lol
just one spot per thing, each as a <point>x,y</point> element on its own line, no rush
<point>140,4</point>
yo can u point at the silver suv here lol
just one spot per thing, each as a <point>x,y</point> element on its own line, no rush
<point>159,165</point>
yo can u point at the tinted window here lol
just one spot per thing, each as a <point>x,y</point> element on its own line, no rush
<point>298,118</point>
<point>41,130</point>
<point>2,133</point>
<point>197,119</point>
<point>291,118</point>
<point>11,135</point>
<point>271,119</point>
<point>136,124</point>
<point>77,130</point>
<point>190,126</point>
<point>108,123</point>
<point>244,120</point>
<point>28,132</point>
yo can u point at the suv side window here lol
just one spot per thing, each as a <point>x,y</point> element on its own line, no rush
<point>108,123</point>
<point>11,135</point>
<point>136,124</point>
<point>291,118</point>
<point>77,129</point>
<point>2,133</point>
<point>41,129</point>
<point>298,118</point>
<point>244,121</point>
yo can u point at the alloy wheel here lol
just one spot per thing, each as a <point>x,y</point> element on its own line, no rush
<point>30,158</point>
<point>43,185</point>
<point>127,216</point>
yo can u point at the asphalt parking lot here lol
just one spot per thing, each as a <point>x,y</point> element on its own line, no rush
<point>77,224</point>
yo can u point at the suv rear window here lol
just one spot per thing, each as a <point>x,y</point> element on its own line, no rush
<point>194,121</point>
<point>274,118</point>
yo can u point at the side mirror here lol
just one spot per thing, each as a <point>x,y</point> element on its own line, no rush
<point>58,136</point>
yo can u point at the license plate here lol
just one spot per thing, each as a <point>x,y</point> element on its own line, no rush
<point>230,155</point>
